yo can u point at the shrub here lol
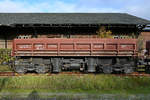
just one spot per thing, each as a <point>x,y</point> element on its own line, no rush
<point>5,56</point>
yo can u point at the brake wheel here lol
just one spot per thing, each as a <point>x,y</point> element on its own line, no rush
<point>20,69</point>
<point>128,70</point>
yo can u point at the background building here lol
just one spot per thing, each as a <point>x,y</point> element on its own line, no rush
<point>67,25</point>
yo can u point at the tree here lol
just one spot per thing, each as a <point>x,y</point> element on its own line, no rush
<point>103,33</point>
<point>140,43</point>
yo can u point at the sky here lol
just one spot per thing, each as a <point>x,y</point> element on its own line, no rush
<point>140,8</point>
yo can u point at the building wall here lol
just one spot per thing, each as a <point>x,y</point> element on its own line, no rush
<point>146,37</point>
<point>2,43</point>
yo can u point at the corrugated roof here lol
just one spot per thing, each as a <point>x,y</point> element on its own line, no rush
<point>70,18</point>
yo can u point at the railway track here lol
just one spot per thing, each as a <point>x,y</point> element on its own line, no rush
<point>7,74</point>
<point>135,74</point>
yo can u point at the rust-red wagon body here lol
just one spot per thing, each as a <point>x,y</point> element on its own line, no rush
<point>74,47</point>
<point>84,54</point>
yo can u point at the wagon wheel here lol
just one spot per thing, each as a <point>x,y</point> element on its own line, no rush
<point>50,68</point>
<point>107,69</point>
<point>20,69</point>
<point>41,69</point>
<point>147,69</point>
<point>128,70</point>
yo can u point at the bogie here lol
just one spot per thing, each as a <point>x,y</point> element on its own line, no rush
<point>106,65</point>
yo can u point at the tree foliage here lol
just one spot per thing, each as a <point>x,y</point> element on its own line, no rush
<point>5,56</point>
<point>103,33</point>
<point>140,43</point>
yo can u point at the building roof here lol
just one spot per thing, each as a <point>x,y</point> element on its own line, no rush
<point>70,18</point>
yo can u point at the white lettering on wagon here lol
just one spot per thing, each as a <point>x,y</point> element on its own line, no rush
<point>24,46</point>
<point>39,46</point>
<point>123,46</point>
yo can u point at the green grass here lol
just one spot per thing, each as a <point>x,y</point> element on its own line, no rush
<point>86,83</point>
<point>5,68</point>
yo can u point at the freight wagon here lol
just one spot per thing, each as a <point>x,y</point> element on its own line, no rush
<point>87,55</point>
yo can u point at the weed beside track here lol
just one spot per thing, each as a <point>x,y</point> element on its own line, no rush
<point>86,82</point>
